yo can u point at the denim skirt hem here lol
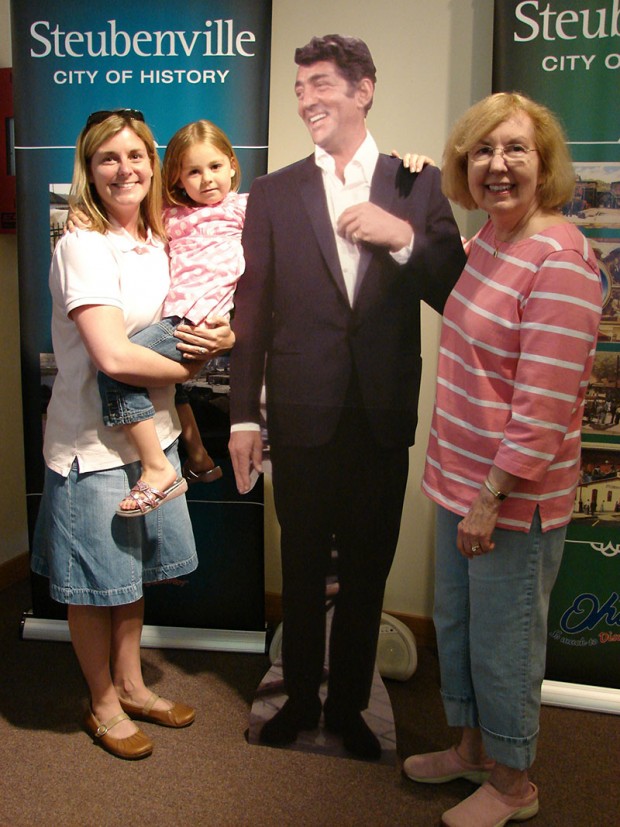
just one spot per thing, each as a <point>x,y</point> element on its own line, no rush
<point>94,557</point>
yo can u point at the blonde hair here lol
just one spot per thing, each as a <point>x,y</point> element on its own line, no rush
<point>557,177</point>
<point>84,196</point>
<point>198,132</point>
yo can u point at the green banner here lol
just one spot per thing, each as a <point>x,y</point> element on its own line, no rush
<point>566,54</point>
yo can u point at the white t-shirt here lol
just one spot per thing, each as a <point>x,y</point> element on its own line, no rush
<point>112,269</point>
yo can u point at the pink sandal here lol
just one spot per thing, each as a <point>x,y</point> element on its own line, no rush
<point>210,475</point>
<point>148,499</point>
<point>487,807</point>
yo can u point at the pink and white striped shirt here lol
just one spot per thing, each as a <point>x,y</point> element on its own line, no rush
<point>517,347</point>
<point>206,258</point>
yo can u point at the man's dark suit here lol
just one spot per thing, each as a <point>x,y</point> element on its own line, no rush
<point>342,391</point>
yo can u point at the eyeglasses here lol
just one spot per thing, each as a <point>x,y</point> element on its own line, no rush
<point>513,154</point>
<point>104,114</point>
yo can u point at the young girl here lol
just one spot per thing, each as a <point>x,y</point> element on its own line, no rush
<point>204,219</point>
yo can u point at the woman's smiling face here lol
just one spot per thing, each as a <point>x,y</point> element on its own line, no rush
<point>121,172</point>
<point>506,190</point>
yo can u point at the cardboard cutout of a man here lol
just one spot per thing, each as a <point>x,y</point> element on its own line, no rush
<point>340,249</point>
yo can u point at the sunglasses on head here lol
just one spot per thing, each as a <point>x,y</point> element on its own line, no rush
<point>104,114</point>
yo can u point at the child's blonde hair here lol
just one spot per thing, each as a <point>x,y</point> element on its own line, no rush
<point>198,132</point>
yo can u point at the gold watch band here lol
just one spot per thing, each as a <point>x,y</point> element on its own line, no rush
<point>499,495</point>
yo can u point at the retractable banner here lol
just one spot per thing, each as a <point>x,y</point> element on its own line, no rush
<point>176,63</point>
<point>566,54</point>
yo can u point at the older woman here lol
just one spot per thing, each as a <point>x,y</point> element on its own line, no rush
<point>517,345</point>
<point>107,282</point>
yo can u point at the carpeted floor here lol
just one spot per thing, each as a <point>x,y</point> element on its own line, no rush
<point>52,774</point>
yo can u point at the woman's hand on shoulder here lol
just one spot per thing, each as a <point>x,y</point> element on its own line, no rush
<point>206,340</point>
<point>413,161</point>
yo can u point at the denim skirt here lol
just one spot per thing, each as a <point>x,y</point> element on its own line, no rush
<point>93,557</point>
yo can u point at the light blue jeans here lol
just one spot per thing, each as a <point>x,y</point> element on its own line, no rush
<point>491,621</point>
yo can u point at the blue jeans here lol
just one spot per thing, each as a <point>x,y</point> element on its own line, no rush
<point>122,403</point>
<point>491,621</point>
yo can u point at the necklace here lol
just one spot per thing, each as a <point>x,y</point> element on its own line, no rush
<point>519,226</point>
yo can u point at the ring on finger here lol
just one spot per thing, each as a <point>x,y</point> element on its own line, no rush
<point>475,549</point>
<point>202,350</point>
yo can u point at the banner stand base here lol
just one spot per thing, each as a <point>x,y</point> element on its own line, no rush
<point>554,693</point>
<point>581,696</point>
<point>158,637</point>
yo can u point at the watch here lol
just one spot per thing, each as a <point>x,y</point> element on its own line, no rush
<point>499,495</point>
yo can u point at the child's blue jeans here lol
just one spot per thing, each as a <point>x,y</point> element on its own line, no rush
<point>123,404</point>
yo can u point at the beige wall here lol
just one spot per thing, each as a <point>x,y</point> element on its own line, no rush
<point>433,60</point>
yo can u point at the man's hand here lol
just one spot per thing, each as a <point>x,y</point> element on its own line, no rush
<point>369,223</point>
<point>246,453</point>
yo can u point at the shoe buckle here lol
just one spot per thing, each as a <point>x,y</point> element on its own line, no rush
<point>101,730</point>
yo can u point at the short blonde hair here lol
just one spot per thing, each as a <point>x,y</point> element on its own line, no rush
<point>556,170</point>
<point>84,196</point>
<point>198,132</point>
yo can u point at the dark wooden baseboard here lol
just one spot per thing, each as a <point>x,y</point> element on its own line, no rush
<point>14,570</point>
<point>422,627</point>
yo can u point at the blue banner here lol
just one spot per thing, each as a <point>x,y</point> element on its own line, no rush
<point>176,63</point>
